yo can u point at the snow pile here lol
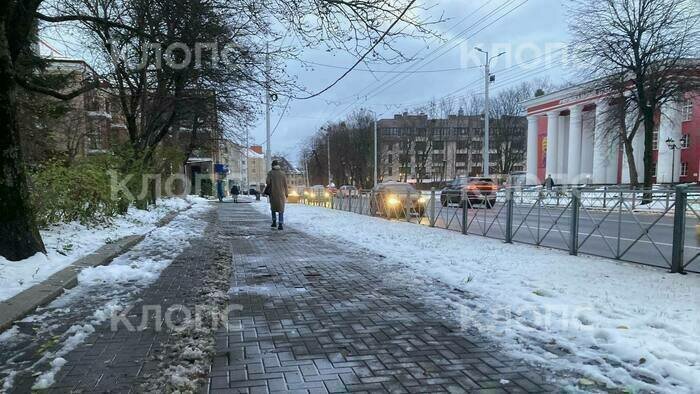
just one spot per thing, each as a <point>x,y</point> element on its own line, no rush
<point>68,242</point>
<point>188,354</point>
<point>162,245</point>
<point>619,325</point>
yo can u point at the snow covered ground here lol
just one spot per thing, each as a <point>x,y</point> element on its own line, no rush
<point>619,325</point>
<point>105,290</point>
<point>68,242</point>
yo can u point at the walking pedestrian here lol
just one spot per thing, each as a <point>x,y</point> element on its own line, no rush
<point>220,190</point>
<point>235,191</point>
<point>277,194</point>
<point>549,183</point>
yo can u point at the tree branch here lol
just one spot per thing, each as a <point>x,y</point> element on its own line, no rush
<point>89,18</point>
<point>56,94</point>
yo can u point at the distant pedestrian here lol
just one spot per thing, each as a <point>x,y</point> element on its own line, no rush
<point>220,190</point>
<point>549,183</point>
<point>276,190</point>
<point>235,191</point>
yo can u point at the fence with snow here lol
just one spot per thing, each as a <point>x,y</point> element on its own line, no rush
<point>657,227</point>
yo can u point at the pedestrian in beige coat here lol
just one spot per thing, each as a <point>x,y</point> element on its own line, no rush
<point>276,186</point>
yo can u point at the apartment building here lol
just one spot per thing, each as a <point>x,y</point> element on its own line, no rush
<point>415,148</point>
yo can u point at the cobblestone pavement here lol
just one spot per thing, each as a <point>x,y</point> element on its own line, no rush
<point>110,361</point>
<point>317,318</point>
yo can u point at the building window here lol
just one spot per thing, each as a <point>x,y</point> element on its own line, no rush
<point>655,138</point>
<point>685,141</point>
<point>653,169</point>
<point>438,145</point>
<point>95,140</point>
<point>391,170</point>
<point>684,168</point>
<point>438,157</point>
<point>687,110</point>
<point>390,158</point>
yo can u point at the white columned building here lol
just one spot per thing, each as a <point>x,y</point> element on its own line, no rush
<point>578,143</point>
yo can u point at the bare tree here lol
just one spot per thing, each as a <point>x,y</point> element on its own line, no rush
<point>510,126</point>
<point>639,51</point>
<point>248,25</point>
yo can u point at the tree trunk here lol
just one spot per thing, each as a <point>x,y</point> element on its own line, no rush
<point>19,234</point>
<point>629,153</point>
<point>648,114</point>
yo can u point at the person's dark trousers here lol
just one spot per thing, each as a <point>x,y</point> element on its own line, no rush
<point>274,217</point>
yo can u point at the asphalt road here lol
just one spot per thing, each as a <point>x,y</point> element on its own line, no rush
<point>631,236</point>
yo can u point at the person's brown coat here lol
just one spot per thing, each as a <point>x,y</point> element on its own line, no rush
<point>278,188</point>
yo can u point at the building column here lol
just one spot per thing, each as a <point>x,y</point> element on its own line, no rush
<point>532,150</point>
<point>587,146</point>
<point>601,146</point>
<point>552,143</point>
<point>574,148</point>
<point>562,148</point>
<point>669,127</point>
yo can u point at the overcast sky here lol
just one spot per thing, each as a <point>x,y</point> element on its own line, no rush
<point>528,32</point>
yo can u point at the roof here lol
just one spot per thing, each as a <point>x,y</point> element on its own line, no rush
<point>255,155</point>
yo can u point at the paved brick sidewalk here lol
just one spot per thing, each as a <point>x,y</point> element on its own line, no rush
<point>317,318</point>
<point>121,360</point>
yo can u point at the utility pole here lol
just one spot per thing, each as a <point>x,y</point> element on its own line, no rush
<point>268,152</point>
<point>328,147</point>
<point>487,108</point>
<point>247,160</point>
<point>375,151</point>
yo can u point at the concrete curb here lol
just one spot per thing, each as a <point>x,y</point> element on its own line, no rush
<point>41,294</point>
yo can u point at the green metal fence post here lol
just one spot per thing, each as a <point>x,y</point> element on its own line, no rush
<point>432,207</point>
<point>679,229</point>
<point>575,208</point>
<point>509,216</point>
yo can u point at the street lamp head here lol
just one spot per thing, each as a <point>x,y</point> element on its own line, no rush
<point>671,143</point>
<point>480,50</point>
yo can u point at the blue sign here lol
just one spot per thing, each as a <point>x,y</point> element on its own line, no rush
<point>221,168</point>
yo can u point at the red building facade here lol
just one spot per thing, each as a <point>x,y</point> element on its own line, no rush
<point>567,139</point>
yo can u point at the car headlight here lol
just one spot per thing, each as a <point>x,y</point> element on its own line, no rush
<point>392,201</point>
<point>422,200</point>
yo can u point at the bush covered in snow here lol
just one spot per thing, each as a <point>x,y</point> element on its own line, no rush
<point>77,192</point>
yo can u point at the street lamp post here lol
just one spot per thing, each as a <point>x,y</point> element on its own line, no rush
<point>671,143</point>
<point>487,82</point>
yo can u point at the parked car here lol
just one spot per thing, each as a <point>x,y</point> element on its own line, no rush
<point>294,196</point>
<point>395,199</point>
<point>317,193</point>
<point>347,191</point>
<point>474,190</point>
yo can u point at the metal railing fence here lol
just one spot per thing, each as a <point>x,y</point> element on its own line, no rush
<point>657,227</point>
